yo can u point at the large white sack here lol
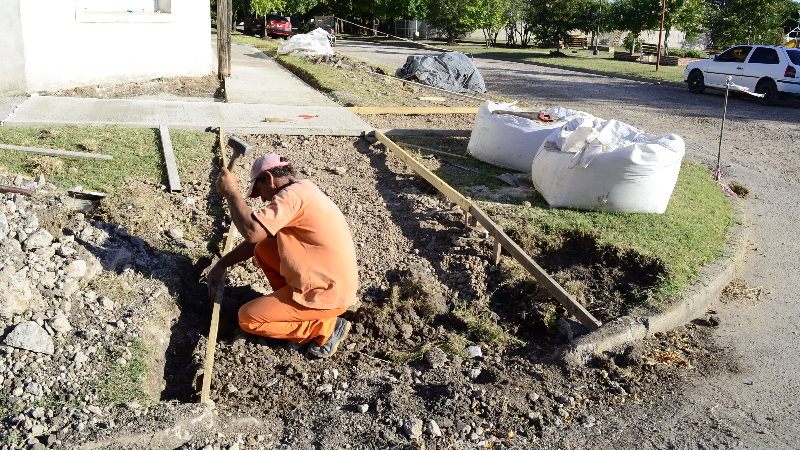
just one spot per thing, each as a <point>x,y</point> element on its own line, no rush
<point>505,140</point>
<point>610,166</point>
<point>312,43</point>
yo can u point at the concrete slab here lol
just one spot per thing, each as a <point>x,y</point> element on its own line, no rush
<point>235,117</point>
<point>8,105</point>
<point>257,78</point>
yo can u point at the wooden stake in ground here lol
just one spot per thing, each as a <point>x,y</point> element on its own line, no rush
<point>472,212</point>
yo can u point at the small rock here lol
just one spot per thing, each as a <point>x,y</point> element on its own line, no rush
<point>117,258</point>
<point>39,239</point>
<point>557,421</point>
<point>132,405</point>
<point>234,446</point>
<point>433,428</point>
<point>80,357</point>
<point>76,269</point>
<point>121,361</point>
<point>30,336</point>
<point>436,357</point>
<point>474,373</point>
<point>175,233</point>
<point>362,408</point>
<point>284,144</point>
<point>34,389</point>
<point>325,388</point>
<point>60,324</point>
<point>463,428</point>
<point>339,170</point>
<point>533,396</point>
<point>106,303</point>
<point>188,201</point>
<point>475,351</point>
<point>413,428</point>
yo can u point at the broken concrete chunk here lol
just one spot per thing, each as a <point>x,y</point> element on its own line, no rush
<point>15,292</point>
<point>475,351</point>
<point>436,357</point>
<point>30,336</point>
<point>39,239</point>
<point>76,269</point>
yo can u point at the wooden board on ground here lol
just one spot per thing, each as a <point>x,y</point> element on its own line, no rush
<point>53,152</point>
<point>566,300</point>
<point>169,159</point>
<point>414,110</point>
<point>211,344</point>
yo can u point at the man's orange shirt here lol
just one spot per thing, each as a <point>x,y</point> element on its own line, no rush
<point>318,258</point>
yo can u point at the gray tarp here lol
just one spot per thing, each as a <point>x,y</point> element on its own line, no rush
<point>452,71</point>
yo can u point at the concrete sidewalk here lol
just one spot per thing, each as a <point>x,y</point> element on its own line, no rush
<point>258,88</point>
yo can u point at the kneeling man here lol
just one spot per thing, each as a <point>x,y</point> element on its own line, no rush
<point>303,244</point>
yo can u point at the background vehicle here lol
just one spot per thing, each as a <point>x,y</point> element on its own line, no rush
<point>277,26</point>
<point>327,24</point>
<point>764,69</point>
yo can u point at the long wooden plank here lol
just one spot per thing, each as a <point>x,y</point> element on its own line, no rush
<point>567,301</point>
<point>211,344</point>
<point>418,132</point>
<point>53,152</point>
<point>429,176</point>
<point>414,110</point>
<point>208,365</point>
<point>169,159</point>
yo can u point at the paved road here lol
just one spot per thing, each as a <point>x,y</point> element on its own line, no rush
<point>755,402</point>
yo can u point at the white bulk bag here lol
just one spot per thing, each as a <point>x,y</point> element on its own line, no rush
<point>312,43</point>
<point>610,166</point>
<point>505,140</point>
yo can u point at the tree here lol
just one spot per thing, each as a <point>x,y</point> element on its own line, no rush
<point>553,20</point>
<point>265,7</point>
<point>635,16</point>
<point>491,18</point>
<point>453,18</point>
<point>688,16</point>
<point>748,21</point>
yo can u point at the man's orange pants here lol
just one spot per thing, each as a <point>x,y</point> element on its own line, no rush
<point>278,316</point>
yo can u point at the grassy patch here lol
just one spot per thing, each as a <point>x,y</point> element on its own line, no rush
<point>582,59</point>
<point>136,153</point>
<point>123,383</point>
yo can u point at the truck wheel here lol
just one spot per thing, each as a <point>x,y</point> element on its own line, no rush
<point>696,83</point>
<point>770,91</point>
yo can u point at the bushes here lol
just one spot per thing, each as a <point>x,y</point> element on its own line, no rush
<point>685,53</point>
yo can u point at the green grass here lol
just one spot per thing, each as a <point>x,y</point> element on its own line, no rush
<point>124,383</point>
<point>136,153</point>
<point>582,59</point>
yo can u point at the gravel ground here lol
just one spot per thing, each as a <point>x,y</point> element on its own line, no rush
<point>754,404</point>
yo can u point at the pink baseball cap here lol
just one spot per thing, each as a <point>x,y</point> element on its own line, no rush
<point>261,165</point>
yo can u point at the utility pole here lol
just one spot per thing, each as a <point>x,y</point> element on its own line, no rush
<point>661,33</point>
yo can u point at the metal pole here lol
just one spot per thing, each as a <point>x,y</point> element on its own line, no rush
<point>718,173</point>
<point>660,33</point>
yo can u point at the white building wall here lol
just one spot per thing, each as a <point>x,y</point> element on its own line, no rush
<point>12,50</point>
<point>75,43</point>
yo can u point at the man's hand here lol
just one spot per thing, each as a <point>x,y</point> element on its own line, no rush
<point>213,277</point>
<point>226,182</point>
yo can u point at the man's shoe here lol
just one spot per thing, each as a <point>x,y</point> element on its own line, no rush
<point>327,350</point>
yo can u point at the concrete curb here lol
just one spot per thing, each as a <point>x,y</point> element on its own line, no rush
<point>707,288</point>
<point>589,71</point>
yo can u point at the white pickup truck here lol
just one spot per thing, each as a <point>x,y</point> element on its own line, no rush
<point>764,69</point>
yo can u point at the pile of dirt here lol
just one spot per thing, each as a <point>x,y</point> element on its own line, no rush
<point>207,87</point>
<point>343,62</point>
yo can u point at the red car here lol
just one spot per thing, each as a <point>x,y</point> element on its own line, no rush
<point>278,26</point>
